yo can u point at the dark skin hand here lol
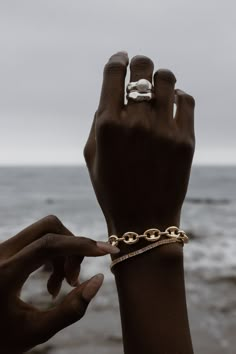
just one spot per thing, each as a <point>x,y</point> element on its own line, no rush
<point>139,158</point>
<point>22,326</point>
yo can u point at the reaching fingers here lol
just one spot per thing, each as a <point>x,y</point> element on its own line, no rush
<point>185,112</point>
<point>49,247</point>
<point>73,263</point>
<point>63,267</point>
<point>112,94</point>
<point>69,311</point>
<point>56,278</point>
<point>49,224</point>
<point>164,93</point>
<point>70,269</point>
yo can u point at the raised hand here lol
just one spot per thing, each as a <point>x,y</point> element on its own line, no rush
<point>138,154</point>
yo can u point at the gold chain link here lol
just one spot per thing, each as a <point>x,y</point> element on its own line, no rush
<point>151,235</point>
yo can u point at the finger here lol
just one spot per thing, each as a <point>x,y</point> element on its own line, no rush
<point>49,224</point>
<point>72,269</point>
<point>69,311</point>
<point>64,267</point>
<point>50,246</point>
<point>141,67</point>
<point>164,92</point>
<point>185,111</point>
<point>68,268</point>
<point>112,94</point>
<point>56,278</point>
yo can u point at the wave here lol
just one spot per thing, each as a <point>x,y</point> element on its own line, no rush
<point>208,201</point>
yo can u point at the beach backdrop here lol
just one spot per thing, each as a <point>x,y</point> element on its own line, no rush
<point>209,217</point>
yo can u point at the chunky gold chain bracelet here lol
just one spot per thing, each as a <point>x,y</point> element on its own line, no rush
<point>171,235</point>
<point>152,235</point>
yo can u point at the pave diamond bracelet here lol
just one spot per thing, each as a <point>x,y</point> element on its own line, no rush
<point>171,235</point>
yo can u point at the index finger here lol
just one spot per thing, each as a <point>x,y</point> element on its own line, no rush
<point>61,267</point>
<point>112,94</point>
<point>46,225</point>
<point>47,248</point>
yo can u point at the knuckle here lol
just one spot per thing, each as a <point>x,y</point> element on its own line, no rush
<point>139,131</point>
<point>107,128</point>
<point>167,137</point>
<point>141,61</point>
<point>86,153</point>
<point>53,223</point>
<point>176,141</point>
<point>166,75</point>
<point>187,145</point>
<point>46,243</point>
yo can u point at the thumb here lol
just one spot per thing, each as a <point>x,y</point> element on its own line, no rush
<point>72,308</point>
<point>91,287</point>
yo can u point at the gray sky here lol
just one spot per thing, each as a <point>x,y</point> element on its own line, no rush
<point>52,57</point>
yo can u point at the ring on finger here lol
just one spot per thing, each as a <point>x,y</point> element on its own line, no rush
<point>139,97</point>
<point>142,86</point>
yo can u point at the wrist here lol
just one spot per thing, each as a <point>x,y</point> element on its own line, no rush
<point>139,227</point>
<point>140,224</point>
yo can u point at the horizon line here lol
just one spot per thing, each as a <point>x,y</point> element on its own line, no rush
<point>82,164</point>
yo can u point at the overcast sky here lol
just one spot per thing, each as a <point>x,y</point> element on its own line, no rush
<point>52,54</point>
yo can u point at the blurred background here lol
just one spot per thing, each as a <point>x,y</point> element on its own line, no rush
<point>52,58</point>
<point>51,62</point>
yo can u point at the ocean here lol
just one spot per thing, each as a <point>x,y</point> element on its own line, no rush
<point>208,216</point>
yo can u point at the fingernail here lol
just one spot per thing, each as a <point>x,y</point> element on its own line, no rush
<point>107,247</point>
<point>74,281</point>
<point>92,287</point>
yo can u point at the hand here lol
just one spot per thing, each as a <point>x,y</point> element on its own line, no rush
<point>21,325</point>
<point>139,156</point>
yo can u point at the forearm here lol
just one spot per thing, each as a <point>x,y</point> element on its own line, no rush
<point>139,159</point>
<point>152,302</point>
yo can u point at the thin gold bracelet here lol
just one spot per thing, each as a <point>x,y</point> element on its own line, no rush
<point>173,234</point>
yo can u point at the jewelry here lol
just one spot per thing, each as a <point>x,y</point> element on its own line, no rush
<point>140,251</point>
<point>139,97</point>
<point>142,86</point>
<point>152,235</point>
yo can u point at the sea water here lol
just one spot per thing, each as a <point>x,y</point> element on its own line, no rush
<point>209,212</point>
<point>208,216</point>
